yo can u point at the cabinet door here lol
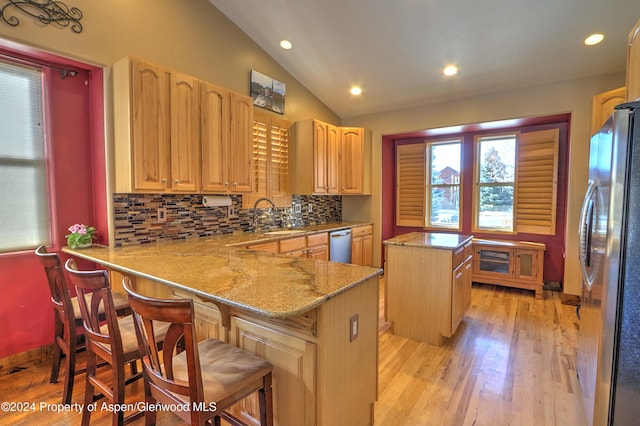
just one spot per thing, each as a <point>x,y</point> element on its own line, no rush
<point>319,157</point>
<point>467,280</point>
<point>240,143</point>
<point>293,361</point>
<point>352,160</point>
<point>457,297</point>
<point>356,251</point>
<point>318,252</point>
<point>150,127</point>
<point>185,133</point>
<point>494,262</point>
<point>214,132</point>
<point>333,160</point>
<point>367,250</point>
<point>526,265</point>
<point>603,105</point>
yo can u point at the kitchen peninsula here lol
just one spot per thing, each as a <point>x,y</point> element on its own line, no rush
<point>315,321</point>
<point>428,282</point>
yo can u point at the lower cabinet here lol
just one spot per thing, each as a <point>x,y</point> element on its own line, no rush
<point>517,264</point>
<point>293,360</point>
<point>362,245</point>
<point>428,290</point>
<point>314,246</point>
<point>208,319</point>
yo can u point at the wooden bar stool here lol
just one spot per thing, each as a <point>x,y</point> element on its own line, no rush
<point>67,319</point>
<point>112,341</point>
<point>208,377</point>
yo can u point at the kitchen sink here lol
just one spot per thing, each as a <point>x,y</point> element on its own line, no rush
<point>285,232</point>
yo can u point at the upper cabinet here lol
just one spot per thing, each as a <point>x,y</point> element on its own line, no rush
<point>270,173</point>
<point>633,64</point>
<point>603,105</point>
<point>225,130</point>
<point>340,158</point>
<point>175,133</point>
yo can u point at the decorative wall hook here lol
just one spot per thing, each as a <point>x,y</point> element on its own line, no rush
<point>46,11</point>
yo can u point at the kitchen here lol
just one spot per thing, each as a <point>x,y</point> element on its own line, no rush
<point>100,46</point>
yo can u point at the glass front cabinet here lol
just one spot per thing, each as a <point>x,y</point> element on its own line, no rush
<point>509,263</point>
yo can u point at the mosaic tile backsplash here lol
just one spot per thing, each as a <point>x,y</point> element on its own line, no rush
<point>136,216</point>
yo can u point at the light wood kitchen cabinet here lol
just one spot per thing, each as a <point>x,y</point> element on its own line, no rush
<point>268,247</point>
<point>355,163</point>
<point>518,264</point>
<point>314,246</point>
<point>293,360</point>
<point>142,126</point>
<point>185,137</point>
<point>362,245</point>
<point>318,246</point>
<point>633,64</point>
<point>270,173</point>
<point>341,158</point>
<point>603,105</point>
<point>208,320</point>
<point>227,140</point>
<point>428,280</point>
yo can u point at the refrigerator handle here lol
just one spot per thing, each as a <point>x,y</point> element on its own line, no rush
<point>584,232</point>
<point>578,306</point>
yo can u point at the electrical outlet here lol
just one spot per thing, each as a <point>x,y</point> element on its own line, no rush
<point>231,211</point>
<point>310,207</point>
<point>297,208</point>
<point>162,214</point>
<point>353,328</point>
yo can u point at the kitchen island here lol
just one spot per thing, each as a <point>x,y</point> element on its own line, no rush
<point>428,284</point>
<point>315,321</point>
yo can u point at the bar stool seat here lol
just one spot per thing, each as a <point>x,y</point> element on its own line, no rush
<point>206,374</point>
<point>68,336</point>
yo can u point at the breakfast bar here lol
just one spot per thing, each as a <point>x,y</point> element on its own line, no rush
<point>316,322</point>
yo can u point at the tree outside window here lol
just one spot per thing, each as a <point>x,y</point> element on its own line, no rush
<point>495,182</point>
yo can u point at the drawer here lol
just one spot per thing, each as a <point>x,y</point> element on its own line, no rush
<point>317,239</point>
<point>293,244</point>
<point>460,254</point>
<point>270,247</point>
<point>361,230</point>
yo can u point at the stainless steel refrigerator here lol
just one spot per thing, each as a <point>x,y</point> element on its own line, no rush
<point>609,310</point>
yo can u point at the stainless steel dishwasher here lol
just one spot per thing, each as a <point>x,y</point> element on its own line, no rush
<point>340,246</point>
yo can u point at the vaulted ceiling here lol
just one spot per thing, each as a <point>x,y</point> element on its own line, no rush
<point>396,50</point>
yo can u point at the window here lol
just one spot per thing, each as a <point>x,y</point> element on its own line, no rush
<point>495,182</point>
<point>443,187</point>
<point>24,213</point>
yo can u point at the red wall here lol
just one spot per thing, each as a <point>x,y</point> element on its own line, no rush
<point>76,170</point>
<point>555,244</point>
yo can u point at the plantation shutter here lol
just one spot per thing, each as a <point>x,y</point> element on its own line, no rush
<point>537,181</point>
<point>270,172</point>
<point>279,157</point>
<point>260,156</point>
<point>410,185</point>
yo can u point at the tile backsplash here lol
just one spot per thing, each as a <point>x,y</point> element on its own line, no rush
<point>136,216</point>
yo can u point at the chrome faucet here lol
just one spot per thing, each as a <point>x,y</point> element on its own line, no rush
<point>255,210</point>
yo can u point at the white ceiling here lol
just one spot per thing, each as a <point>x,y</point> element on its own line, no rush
<point>396,49</point>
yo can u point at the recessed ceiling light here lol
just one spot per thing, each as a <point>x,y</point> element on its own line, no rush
<point>286,44</point>
<point>450,70</point>
<point>593,39</point>
<point>355,90</point>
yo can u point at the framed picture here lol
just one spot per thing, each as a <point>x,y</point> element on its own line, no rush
<point>267,93</point>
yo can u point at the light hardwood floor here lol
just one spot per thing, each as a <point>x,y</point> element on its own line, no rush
<point>511,362</point>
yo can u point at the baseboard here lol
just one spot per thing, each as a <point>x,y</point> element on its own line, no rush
<point>14,363</point>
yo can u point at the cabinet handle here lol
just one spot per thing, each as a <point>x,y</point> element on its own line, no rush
<point>235,185</point>
<point>164,181</point>
<point>226,184</point>
<point>176,181</point>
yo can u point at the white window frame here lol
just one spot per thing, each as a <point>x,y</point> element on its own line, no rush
<point>429,185</point>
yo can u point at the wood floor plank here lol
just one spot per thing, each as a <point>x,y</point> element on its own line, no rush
<point>512,362</point>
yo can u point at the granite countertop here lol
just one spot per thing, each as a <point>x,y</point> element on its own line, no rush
<point>430,240</point>
<point>270,285</point>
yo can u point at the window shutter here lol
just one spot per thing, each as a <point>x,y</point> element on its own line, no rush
<point>260,156</point>
<point>279,157</point>
<point>410,185</point>
<point>537,179</point>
